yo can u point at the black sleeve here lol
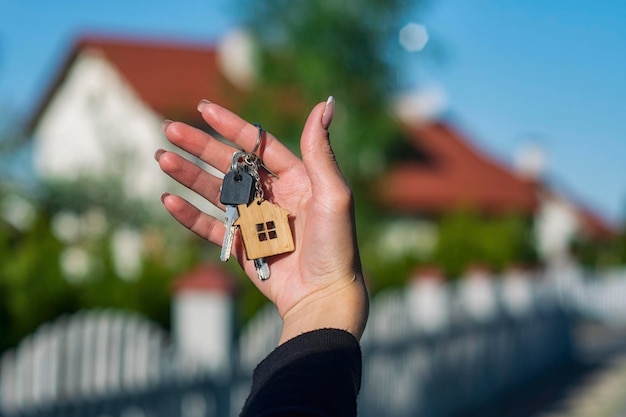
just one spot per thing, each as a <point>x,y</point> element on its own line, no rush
<point>315,374</point>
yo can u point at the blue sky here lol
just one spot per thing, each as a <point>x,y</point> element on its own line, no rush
<point>512,71</point>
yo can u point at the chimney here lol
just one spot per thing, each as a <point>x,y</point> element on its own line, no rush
<point>237,57</point>
<point>530,161</point>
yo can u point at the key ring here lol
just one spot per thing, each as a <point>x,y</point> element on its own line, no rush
<point>258,139</point>
<point>237,157</point>
<point>253,156</point>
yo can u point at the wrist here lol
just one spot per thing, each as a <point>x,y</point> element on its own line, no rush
<point>343,306</point>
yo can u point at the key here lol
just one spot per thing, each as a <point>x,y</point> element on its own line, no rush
<point>262,269</point>
<point>229,224</point>
<point>238,187</point>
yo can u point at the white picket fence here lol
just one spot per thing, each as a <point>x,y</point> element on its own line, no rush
<point>431,349</point>
<point>99,354</point>
<point>473,342</point>
<point>599,296</point>
<point>92,353</point>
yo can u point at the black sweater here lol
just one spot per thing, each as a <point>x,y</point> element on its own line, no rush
<point>315,374</point>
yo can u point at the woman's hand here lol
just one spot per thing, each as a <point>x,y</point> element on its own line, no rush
<point>318,285</point>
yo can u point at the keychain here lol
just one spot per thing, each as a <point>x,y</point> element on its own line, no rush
<point>264,226</point>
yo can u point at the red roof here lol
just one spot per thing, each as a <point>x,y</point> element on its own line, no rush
<point>452,175</point>
<point>596,226</point>
<point>205,277</point>
<point>171,78</point>
<point>592,224</point>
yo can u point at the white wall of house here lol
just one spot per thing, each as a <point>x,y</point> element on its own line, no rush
<point>96,126</point>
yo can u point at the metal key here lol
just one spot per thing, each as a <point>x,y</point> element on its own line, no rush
<point>229,224</point>
<point>262,269</point>
<point>238,187</point>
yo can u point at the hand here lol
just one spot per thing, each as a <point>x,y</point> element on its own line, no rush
<point>318,285</point>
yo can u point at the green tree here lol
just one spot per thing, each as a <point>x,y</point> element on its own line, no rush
<point>309,50</point>
<point>49,268</point>
<point>33,289</point>
<point>312,49</point>
<point>466,238</point>
<point>600,252</point>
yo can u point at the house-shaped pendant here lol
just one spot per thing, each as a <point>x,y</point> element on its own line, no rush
<point>264,228</point>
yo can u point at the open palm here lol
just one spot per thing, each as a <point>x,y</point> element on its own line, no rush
<point>325,262</point>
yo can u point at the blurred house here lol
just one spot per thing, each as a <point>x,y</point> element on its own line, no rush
<point>443,171</point>
<point>99,123</point>
<point>102,114</point>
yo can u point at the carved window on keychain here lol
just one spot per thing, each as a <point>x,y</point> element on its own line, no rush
<point>266,231</point>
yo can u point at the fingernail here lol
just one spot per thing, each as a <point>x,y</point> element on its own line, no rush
<point>203,103</point>
<point>165,125</point>
<point>327,117</point>
<point>158,154</point>
<point>164,196</point>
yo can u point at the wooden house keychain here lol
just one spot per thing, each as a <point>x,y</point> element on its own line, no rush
<point>264,226</point>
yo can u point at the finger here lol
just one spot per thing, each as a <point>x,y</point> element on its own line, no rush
<point>205,226</point>
<point>200,144</point>
<point>276,156</point>
<point>318,156</point>
<point>190,175</point>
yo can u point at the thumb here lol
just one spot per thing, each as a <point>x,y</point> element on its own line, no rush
<point>317,154</point>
